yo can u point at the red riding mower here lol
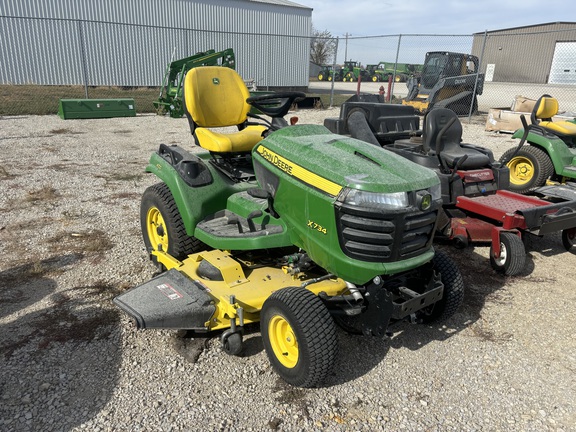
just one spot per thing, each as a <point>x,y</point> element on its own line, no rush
<point>476,205</point>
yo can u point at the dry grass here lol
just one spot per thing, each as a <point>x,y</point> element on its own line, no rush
<point>43,100</point>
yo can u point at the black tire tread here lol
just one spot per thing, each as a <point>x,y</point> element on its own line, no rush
<point>517,255</point>
<point>453,296</point>
<point>320,342</point>
<point>182,244</point>
<point>568,239</point>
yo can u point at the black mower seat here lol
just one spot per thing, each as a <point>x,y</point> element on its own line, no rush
<point>449,146</point>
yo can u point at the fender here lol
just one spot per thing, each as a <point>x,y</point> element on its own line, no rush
<point>194,202</point>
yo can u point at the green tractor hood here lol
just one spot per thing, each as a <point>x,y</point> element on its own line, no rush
<point>337,161</point>
<point>314,177</point>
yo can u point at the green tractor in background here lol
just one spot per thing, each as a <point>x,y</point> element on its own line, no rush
<point>400,72</point>
<point>546,152</point>
<point>352,70</point>
<point>290,226</point>
<point>328,73</point>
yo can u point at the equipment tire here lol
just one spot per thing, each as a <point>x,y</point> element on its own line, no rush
<point>162,224</point>
<point>299,336</point>
<point>232,344</point>
<point>529,169</point>
<point>453,295</point>
<point>512,255</point>
<point>320,77</point>
<point>350,324</point>
<point>569,239</point>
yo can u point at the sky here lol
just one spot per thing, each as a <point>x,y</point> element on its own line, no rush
<point>359,18</point>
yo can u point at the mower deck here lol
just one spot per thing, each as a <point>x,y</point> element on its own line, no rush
<point>515,211</point>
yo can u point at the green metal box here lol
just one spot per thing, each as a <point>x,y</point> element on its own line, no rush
<point>96,108</point>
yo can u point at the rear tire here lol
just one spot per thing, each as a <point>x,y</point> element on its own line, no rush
<point>162,225</point>
<point>512,255</point>
<point>453,295</point>
<point>299,336</point>
<point>529,169</point>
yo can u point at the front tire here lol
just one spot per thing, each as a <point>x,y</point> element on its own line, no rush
<point>529,168</point>
<point>453,295</point>
<point>299,336</point>
<point>512,255</point>
<point>569,239</point>
<point>162,225</point>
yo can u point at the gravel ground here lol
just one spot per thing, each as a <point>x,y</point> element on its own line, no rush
<point>69,360</point>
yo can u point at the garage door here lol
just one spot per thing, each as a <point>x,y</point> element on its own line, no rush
<point>563,69</point>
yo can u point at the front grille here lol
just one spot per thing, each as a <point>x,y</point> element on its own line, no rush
<point>373,235</point>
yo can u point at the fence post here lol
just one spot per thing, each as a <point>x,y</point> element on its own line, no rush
<point>334,73</point>
<point>391,91</point>
<point>83,58</point>
<point>477,75</point>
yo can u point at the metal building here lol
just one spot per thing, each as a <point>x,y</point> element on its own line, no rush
<point>130,42</point>
<point>549,49</point>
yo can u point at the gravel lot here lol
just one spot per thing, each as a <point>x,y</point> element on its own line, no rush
<point>69,360</point>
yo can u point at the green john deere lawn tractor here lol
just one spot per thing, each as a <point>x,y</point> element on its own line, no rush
<point>546,152</point>
<point>290,226</point>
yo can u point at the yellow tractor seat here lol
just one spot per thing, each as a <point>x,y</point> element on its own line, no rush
<point>545,108</point>
<point>215,97</point>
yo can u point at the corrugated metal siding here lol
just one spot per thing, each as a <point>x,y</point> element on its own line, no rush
<point>129,43</point>
<point>510,50</point>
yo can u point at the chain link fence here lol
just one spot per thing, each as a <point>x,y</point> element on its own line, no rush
<point>511,66</point>
<point>44,60</point>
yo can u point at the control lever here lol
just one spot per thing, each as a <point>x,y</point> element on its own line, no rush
<point>250,219</point>
<point>233,220</point>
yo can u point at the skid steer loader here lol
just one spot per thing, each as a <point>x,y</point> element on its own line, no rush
<point>448,80</point>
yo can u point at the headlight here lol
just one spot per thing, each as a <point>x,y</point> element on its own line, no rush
<point>374,200</point>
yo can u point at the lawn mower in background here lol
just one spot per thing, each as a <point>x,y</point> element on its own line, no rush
<point>287,225</point>
<point>477,207</point>
<point>546,151</point>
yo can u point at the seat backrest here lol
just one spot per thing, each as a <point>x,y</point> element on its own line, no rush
<point>434,121</point>
<point>545,108</point>
<point>215,96</point>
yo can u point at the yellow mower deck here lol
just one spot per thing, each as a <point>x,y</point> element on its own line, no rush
<point>248,290</point>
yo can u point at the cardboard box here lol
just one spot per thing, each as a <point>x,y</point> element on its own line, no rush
<point>523,104</point>
<point>504,120</point>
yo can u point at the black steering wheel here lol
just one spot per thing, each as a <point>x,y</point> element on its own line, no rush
<point>275,104</point>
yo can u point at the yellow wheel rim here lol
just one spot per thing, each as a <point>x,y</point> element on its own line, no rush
<point>283,341</point>
<point>156,228</point>
<point>320,77</point>
<point>375,79</point>
<point>521,170</point>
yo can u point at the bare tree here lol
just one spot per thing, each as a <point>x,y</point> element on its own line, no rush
<point>322,47</point>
